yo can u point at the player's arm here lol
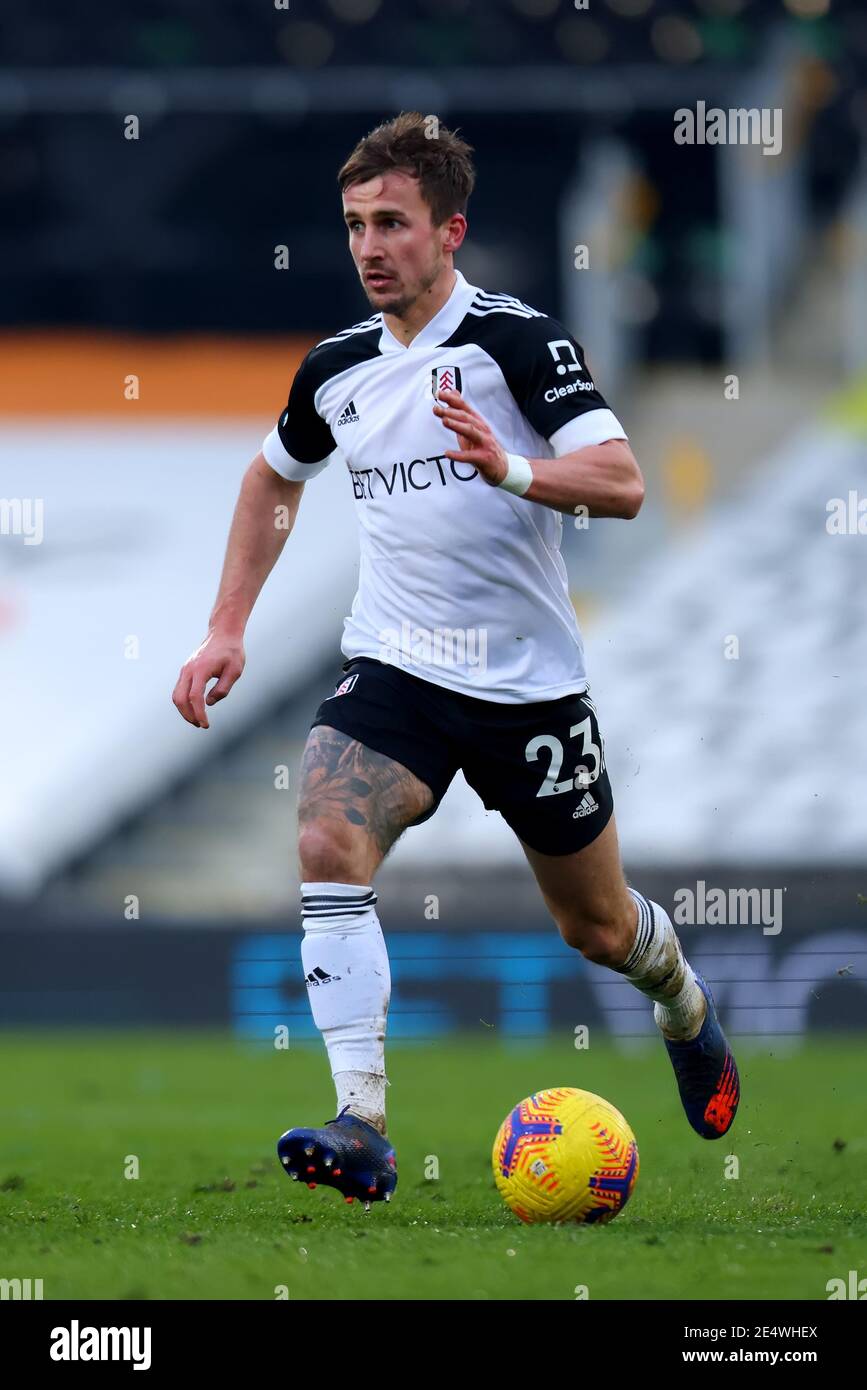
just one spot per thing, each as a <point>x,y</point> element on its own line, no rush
<point>593,465</point>
<point>256,539</point>
<point>296,449</point>
<point>604,478</point>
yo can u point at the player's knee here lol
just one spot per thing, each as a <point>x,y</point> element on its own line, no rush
<point>326,853</point>
<point>600,936</point>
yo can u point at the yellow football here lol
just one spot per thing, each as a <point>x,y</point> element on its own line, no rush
<point>565,1155</point>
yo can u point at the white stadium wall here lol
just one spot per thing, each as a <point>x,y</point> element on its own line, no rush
<point>98,616</point>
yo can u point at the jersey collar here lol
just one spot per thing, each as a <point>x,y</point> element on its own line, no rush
<point>441,326</point>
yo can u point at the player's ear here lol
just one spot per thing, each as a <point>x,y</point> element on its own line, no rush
<point>455,229</point>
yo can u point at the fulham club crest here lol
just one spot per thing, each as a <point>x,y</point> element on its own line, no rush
<point>345,686</point>
<point>445,379</point>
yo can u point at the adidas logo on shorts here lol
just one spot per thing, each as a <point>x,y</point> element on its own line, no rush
<point>587,806</point>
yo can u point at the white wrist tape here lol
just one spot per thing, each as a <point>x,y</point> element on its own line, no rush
<point>519,476</point>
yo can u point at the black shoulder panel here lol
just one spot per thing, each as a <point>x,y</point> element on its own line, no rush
<point>303,433</point>
<point>543,364</point>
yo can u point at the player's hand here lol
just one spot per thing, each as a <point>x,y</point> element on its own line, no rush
<point>477,444</point>
<point>218,656</point>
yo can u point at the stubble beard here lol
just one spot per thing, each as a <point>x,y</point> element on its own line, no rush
<point>400,304</point>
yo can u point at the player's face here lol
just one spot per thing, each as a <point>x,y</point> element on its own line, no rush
<point>398,252</point>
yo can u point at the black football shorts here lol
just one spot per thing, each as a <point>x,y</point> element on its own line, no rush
<point>542,766</point>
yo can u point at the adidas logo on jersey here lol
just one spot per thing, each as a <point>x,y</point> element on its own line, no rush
<point>587,806</point>
<point>318,976</point>
<point>348,416</point>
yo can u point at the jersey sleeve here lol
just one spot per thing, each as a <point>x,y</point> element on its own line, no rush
<point>553,388</point>
<point>301,442</point>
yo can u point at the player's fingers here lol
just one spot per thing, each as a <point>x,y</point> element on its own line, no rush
<point>455,401</point>
<point>452,397</point>
<point>196,696</point>
<point>456,412</point>
<point>469,446</point>
<point>231,672</point>
<point>462,423</point>
<point>181,696</point>
<point>473,456</point>
<point>180,689</point>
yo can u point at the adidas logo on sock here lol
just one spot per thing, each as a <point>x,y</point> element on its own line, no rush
<point>348,416</point>
<point>587,806</point>
<point>318,976</point>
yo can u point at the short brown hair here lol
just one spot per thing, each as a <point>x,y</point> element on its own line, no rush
<point>442,162</point>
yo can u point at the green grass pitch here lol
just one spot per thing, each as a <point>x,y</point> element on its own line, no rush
<point>212,1215</point>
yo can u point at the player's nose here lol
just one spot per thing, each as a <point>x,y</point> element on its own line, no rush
<point>370,250</point>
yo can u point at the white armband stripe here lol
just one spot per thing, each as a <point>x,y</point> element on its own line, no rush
<point>593,427</point>
<point>283,463</point>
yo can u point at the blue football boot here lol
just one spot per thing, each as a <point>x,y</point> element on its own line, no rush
<point>347,1153</point>
<point>707,1076</point>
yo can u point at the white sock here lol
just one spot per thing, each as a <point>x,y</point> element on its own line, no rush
<point>349,987</point>
<point>657,966</point>
<point>364,1093</point>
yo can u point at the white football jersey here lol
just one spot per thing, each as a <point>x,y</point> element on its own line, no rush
<point>460,583</point>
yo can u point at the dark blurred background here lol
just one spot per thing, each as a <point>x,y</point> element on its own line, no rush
<point>248,109</point>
